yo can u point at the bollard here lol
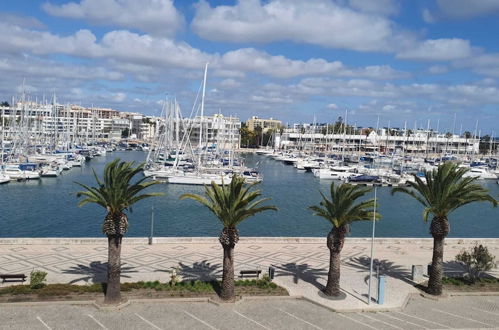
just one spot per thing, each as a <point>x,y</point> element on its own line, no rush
<point>417,273</point>
<point>381,289</point>
<point>271,273</point>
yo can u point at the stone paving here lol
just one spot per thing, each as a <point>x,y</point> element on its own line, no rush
<point>285,314</point>
<point>301,263</point>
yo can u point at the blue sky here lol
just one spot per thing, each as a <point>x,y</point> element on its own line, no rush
<point>414,62</point>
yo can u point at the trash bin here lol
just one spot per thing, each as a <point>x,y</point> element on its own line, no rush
<point>271,273</point>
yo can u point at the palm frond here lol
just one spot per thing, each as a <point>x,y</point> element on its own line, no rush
<point>446,189</point>
<point>116,192</point>
<point>341,207</point>
<point>231,203</point>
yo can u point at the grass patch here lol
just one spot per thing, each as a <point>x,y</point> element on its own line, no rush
<point>460,281</point>
<point>139,289</point>
<point>486,284</point>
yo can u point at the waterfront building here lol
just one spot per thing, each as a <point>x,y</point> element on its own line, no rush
<point>400,141</point>
<point>265,124</point>
<point>72,123</point>
<point>216,130</point>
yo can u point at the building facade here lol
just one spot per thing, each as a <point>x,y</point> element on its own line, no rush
<point>264,124</point>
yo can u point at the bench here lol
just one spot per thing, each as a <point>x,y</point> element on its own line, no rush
<point>12,277</point>
<point>250,273</point>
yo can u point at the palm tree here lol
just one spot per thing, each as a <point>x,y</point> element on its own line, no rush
<point>341,210</point>
<point>446,189</point>
<point>116,194</point>
<point>231,204</point>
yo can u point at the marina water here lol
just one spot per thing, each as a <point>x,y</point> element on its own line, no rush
<point>48,208</point>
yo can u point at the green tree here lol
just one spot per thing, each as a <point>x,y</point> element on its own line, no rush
<point>4,104</point>
<point>341,210</point>
<point>125,133</point>
<point>231,204</point>
<point>116,193</point>
<point>248,138</point>
<point>445,190</point>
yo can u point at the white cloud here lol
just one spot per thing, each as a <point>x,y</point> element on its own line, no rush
<point>464,9</point>
<point>320,22</point>
<point>142,54</point>
<point>324,23</point>
<point>332,106</point>
<point>438,50</point>
<point>22,21</point>
<point>119,97</point>
<point>382,7</point>
<point>158,17</point>
<point>438,69</point>
<point>230,83</point>
<point>483,64</point>
<point>250,59</point>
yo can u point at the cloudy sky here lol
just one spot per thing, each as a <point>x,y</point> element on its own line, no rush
<point>402,60</point>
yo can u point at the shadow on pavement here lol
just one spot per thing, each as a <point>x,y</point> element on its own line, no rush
<point>386,267</point>
<point>302,272</point>
<point>95,272</point>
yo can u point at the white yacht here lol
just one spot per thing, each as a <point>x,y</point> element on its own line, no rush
<point>335,173</point>
<point>51,170</point>
<point>21,172</point>
<point>4,178</point>
<point>193,178</point>
<point>481,173</point>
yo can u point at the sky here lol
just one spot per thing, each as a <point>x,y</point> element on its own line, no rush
<point>417,63</point>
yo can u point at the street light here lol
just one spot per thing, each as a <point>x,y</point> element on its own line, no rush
<point>372,247</point>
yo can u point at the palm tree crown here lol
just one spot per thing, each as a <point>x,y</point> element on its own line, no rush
<point>445,190</point>
<point>116,193</point>
<point>341,209</point>
<point>232,203</point>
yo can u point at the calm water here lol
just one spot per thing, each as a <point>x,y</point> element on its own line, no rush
<point>47,208</point>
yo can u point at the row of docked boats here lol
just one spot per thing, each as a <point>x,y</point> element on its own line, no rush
<point>39,165</point>
<point>374,168</point>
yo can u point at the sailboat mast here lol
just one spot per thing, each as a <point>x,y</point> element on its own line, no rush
<point>202,106</point>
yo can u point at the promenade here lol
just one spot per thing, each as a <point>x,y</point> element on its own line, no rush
<point>301,263</point>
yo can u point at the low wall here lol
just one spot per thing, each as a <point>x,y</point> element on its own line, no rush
<point>243,240</point>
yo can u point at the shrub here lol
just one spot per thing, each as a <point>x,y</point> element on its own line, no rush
<point>37,279</point>
<point>476,261</point>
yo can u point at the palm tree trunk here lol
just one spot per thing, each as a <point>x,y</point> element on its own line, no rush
<point>113,290</point>
<point>439,229</point>
<point>228,238</point>
<point>227,292</point>
<point>335,241</point>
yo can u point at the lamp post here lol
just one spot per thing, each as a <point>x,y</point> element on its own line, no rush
<point>372,247</point>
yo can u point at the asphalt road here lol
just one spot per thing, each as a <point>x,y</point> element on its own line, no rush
<point>453,313</point>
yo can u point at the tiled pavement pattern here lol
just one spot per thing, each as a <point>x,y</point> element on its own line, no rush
<point>301,264</point>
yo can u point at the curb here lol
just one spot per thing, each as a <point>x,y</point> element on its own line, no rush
<point>41,303</point>
<point>358,310</point>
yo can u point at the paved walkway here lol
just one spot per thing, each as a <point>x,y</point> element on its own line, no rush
<point>285,314</point>
<point>301,263</point>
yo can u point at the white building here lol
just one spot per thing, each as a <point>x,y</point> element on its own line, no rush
<point>217,130</point>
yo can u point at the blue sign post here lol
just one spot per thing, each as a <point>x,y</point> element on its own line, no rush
<point>381,289</point>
